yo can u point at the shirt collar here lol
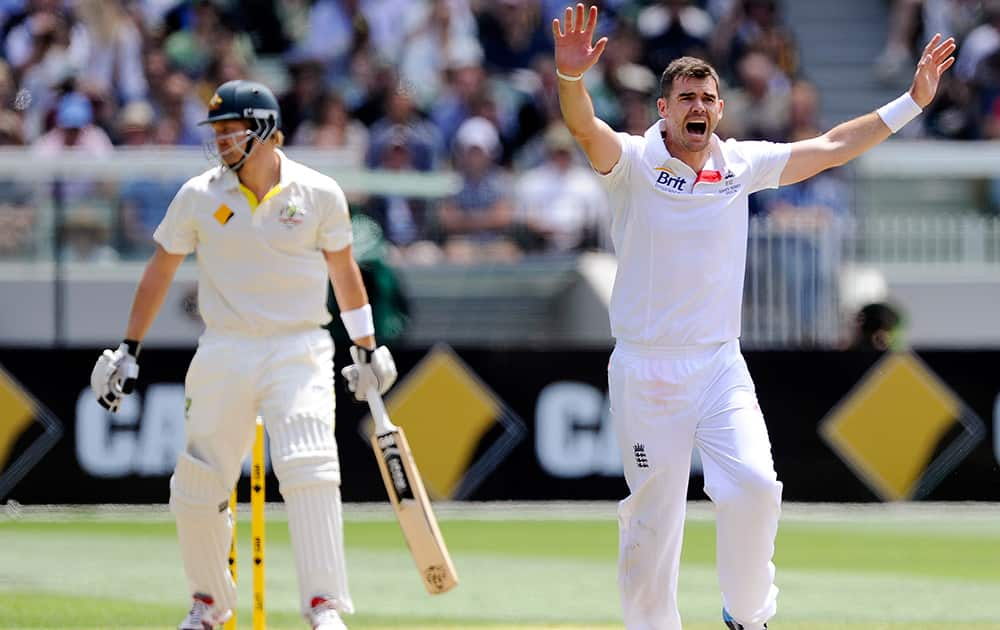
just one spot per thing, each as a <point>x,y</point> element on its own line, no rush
<point>230,181</point>
<point>656,154</point>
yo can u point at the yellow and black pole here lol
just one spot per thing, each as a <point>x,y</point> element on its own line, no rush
<point>231,624</point>
<point>257,494</point>
<point>257,526</point>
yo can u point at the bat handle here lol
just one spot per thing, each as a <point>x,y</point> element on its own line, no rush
<point>379,414</point>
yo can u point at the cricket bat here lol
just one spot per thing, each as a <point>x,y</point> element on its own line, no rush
<point>409,499</point>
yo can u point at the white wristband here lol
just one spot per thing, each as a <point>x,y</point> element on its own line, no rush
<point>899,112</point>
<point>359,322</point>
<point>568,77</point>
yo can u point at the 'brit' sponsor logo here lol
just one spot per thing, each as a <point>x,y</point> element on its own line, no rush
<point>669,182</point>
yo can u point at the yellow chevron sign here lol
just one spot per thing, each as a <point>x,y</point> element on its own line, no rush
<point>896,428</point>
<point>19,412</point>
<point>447,413</point>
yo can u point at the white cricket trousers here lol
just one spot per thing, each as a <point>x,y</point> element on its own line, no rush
<point>288,380</point>
<point>666,401</point>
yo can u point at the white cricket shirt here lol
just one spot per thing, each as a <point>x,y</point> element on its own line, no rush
<point>681,238</point>
<point>261,270</point>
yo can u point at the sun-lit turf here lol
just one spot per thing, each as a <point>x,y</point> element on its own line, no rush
<point>933,571</point>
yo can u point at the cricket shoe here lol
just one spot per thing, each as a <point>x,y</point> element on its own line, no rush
<point>203,616</point>
<point>324,616</point>
<point>731,623</point>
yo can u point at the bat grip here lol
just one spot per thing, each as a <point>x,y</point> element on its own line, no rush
<point>379,414</point>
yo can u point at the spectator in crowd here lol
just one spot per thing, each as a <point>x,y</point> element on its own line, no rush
<point>191,49</point>
<point>878,327</point>
<point>333,128</point>
<point>339,28</point>
<point>268,24</point>
<point>226,65</point>
<point>86,236</point>
<point>466,85</point>
<point>981,42</point>
<point>45,53</point>
<point>512,34</point>
<point>535,110</point>
<point>75,131</point>
<point>755,25</point>
<point>42,28</point>
<point>179,102</point>
<point>672,29</point>
<point>893,64</point>
<point>636,84</point>
<point>955,114</point>
<point>951,18</point>
<point>113,50</point>
<point>476,223</point>
<point>432,29</point>
<point>803,111</point>
<point>156,67</point>
<point>758,108</point>
<point>301,102</point>
<point>142,201</point>
<point>624,49</point>
<point>560,205</point>
<point>426,146</point>
<point>367,88</point>
<point>407,223</point>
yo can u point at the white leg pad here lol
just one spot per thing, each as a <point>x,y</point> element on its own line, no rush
<point>315,521</point>
<point>303,451</point>
<point>199,501</point>
<point>304,455</point>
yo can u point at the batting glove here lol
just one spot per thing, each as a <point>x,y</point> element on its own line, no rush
<point>372,368</point>
<point>115,374</point>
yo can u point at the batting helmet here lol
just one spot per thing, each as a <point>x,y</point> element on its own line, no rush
<point>245,100</point>
<point>249,101</point>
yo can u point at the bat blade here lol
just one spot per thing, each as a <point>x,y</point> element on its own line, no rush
<point>413,510</point>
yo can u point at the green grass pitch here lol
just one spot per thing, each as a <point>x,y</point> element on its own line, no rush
<point>871,568</point>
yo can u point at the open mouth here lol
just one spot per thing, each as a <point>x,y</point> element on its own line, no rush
<point>697,127</point>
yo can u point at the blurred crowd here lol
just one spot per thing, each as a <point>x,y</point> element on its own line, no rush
<point>417,85</point>
<point>968,103</point>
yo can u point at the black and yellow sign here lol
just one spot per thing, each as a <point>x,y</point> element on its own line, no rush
<point>901,429</point>
<point>458,429</point>
<point>21,416</point>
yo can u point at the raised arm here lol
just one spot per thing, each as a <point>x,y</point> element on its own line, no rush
<point>575,54</point>
<point>848,140</point>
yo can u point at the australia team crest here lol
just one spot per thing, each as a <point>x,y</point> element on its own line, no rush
<point>291,215</point>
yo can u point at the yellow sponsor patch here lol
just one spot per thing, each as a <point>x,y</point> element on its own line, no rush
<point>223,214</point>
<point>214,103</point>
<point>447,413</point>
<point>892,426</point>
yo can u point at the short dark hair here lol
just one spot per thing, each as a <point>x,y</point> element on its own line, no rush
<point>691,67</point>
